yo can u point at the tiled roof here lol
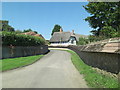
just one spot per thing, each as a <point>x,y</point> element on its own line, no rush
<point>33,34</point>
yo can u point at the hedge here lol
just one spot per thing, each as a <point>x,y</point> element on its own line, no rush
<point>12,38</point>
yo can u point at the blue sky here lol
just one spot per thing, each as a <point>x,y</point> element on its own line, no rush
<point>42,16</point>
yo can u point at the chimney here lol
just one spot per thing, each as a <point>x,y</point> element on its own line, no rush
<point>61,30</point>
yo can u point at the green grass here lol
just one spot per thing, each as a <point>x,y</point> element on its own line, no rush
<point>93,78</point>
<point>12,63</point>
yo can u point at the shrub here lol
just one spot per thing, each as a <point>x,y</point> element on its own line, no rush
<point>93,38</point>
<point>11,38</point>
<point>82,41</point>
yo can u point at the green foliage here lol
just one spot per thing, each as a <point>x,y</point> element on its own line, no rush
<point>29,30</point>
<point>82,41</point>
<point>36,32</point>
<point>18,31</point>
<point>109,32</point>
<point>47,42</point>
<point>104,18</point>
<point>93,38</point>
<point>93,78</point>
<point>12,63</point>
<point>5,27</point>
<point>104,34</point>
<point>11,38</point>
<point>56,29</point>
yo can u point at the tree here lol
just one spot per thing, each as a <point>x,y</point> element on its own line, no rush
<point>18,31</point>
<point>30,30</point>
<point>5,27</point>
<point>82,41</point>
<point>56,29</point>
<point>104,16</point>
<point>36,32</point>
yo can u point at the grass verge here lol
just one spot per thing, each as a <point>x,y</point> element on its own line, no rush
<point>12,63</point>
<point>93,78</point>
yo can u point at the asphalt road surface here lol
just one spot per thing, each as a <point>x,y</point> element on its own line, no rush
<point>54,70</point>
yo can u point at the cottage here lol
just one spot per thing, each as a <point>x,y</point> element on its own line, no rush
<point>64,38</point>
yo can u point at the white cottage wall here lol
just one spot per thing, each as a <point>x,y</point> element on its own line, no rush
<point>72,41</point>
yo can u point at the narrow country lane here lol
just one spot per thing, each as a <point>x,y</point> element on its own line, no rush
<point>54,70</point>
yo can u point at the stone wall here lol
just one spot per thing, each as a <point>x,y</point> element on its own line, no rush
<point>20,51</point>
<point>103,60</point>
<point>103,54</point>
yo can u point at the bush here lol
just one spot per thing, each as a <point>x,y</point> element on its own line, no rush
<point>93,38</point>
<point>11,38</point>
<point>82,41</point>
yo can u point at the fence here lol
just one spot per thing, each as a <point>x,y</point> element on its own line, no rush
<point>20,51</point>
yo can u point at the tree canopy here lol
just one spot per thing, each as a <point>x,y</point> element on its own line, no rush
<point>104,18</point>
<point>56,29</point>
<point>30,30</point>
<point>5,27</point>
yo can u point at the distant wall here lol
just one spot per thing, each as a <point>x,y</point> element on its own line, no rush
<point>20,51</point>
<point>103,60</point>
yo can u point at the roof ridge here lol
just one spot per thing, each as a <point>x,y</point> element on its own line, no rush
<point>61,32</point>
